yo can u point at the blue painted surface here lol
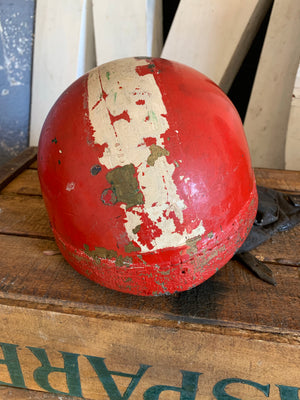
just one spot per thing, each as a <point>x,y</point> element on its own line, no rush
<point>16,48</point>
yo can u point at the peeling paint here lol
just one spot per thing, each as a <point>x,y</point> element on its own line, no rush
<point>131,247</point>
<point>126,124</point>
<point>95,169</point>
<point>101,252</point>
<point>70,186</point>
<point>125,185</point>
<point>156,151</point>
<point>136,229</point>
<point>192,244</point>
<point>108,197</point>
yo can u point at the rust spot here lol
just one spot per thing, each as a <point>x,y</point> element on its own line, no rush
<point>101,252</point>
<point>192,243</point>
<point>136,229</point>
<point>95,169</point>
<point>108,197</point>
<point>156,152</point>
<point>121,261</point>
<point>125,185</point>
<point>130,247</point>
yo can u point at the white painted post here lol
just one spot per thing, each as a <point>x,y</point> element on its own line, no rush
<point>214,36</point>
<point>63,50</point>
<point>269,106</point>
<point>127,28</point>
<point>292,147</point>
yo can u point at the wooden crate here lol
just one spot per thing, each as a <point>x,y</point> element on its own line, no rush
<point>233,337</point>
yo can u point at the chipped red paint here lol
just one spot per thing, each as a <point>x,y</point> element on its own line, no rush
<point>140,102</point>
<point>213,176</point>
<point>114,118</point>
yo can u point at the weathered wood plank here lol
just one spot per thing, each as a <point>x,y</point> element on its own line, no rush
<point>14,167</point>
<point>231,326</point>
<point>278,179</point>
<point>282,248</point>
<point>11,393</point>
<point>31,276</point>
<point>26,183</point>
<point>181,357</point>
<point>24,215</point>
<point>16,44</point>
<point>269,105</point>
<point>214,36</point>
<point>34,165</point>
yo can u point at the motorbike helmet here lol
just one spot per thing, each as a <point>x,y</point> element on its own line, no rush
<point>146,176</point>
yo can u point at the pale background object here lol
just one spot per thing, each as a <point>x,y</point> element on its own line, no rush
<point>214,36</point>
<point>292,148</point>
<point>126,28</point>
<point>63,50</point>
<point>210,36</point>
<point>269,106</point>
<point>16,48</point>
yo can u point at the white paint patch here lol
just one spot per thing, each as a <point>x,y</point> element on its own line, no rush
<point>70,186</point>
<point>16,63</point>
<point>114,90</point>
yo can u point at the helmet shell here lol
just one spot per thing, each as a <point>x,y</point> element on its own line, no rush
<point>146,176</point>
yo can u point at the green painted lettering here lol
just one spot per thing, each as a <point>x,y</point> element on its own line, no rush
<point>187,390</point>
<point>71,369</point>
<point>11,360</point>
<point>105,376</point>
<point>219,388</point>
<point>288,392</point>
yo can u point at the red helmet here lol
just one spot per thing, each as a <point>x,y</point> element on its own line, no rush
<point>146,176</point>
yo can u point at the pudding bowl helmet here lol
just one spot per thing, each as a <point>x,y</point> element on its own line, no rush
<point>146,176</point>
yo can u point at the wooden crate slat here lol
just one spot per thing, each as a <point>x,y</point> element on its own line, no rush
<point>29,275</point>
<point>11,393</point>
<point>269,105</point>
<point>233,327</point>
<point>34,165</point>
<point>278,179</point>
<point>214,36</point>
<point>26,183</point>
<point>18,164</point>
<point>122,347</point>
<point>24,215</point>
<point>283,250</point>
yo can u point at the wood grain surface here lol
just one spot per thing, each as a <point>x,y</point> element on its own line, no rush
<point>233,326</point>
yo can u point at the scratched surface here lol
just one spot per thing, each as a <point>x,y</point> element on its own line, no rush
<point>16,40</point>
<point>32,270</point>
